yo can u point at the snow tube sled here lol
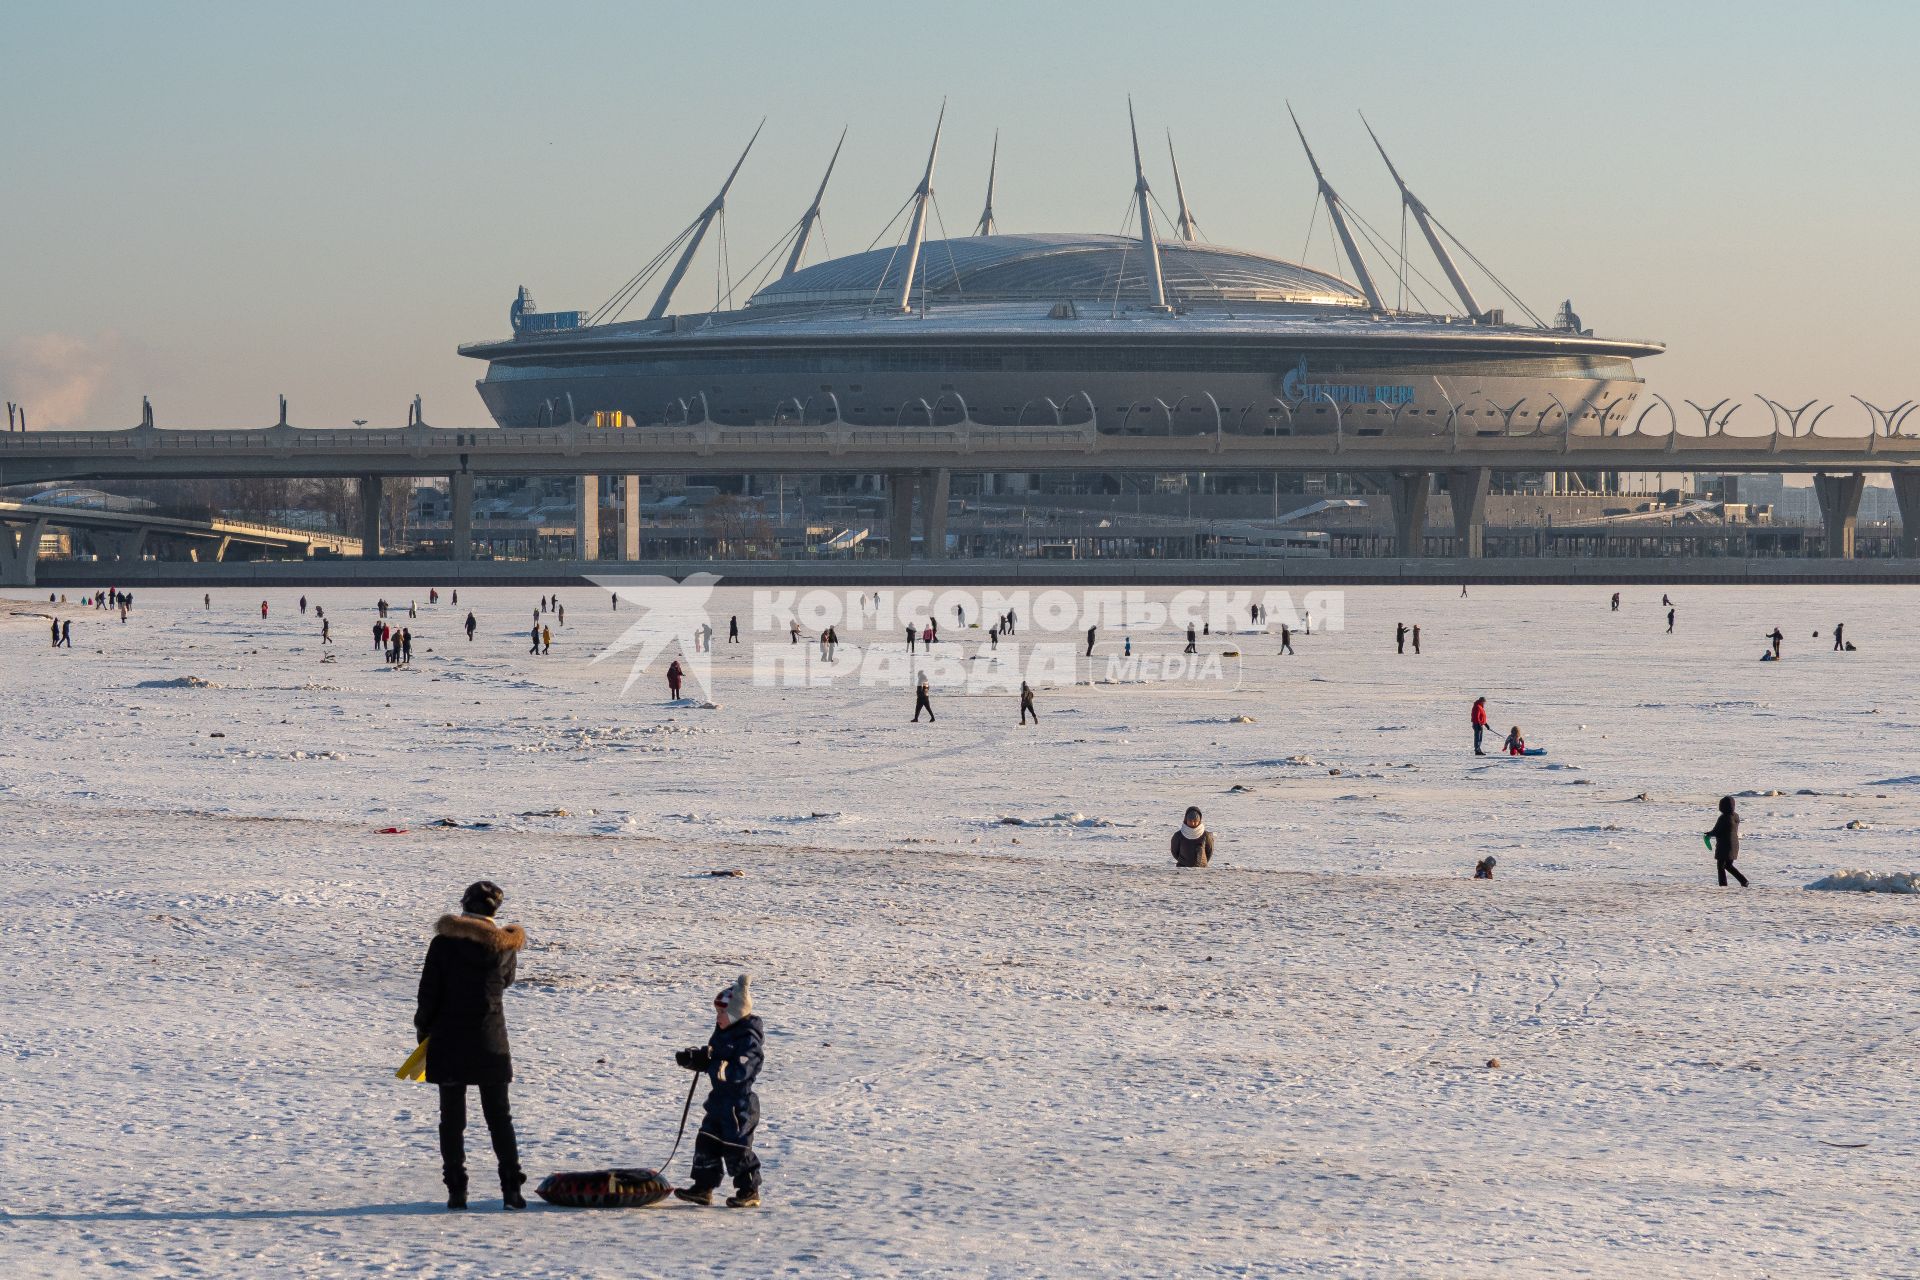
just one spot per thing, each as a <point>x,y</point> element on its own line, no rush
<point>1534,751</point>
<point>604,1189</point>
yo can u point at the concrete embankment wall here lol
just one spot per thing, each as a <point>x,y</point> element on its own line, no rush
<point>1346,571</point>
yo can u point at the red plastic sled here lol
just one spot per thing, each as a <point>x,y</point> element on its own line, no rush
<point>604,1189</point>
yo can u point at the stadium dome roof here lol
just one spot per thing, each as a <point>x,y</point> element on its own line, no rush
<point>1061,267</point>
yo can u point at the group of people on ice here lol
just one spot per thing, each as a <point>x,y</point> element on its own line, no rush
<point>460,1019</point>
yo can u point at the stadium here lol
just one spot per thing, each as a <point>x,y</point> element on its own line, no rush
<point>1150,332</point>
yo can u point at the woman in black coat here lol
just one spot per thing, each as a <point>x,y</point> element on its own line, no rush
<point>461,1015</point>
<point>1726,843</point>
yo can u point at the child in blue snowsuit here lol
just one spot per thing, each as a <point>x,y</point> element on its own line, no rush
<point>731,1057</point>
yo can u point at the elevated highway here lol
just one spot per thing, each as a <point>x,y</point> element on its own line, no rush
<point>920,459</point>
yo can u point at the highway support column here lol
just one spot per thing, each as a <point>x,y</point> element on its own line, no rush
<point>128,544</point>
<point>629,517</point>
<point>1467,488</point>
<point>20,552</point>
<point>1906,492</point>
<point>371,500</point>
<point>900,486</point>
<point>934,485</point>
<point>460,492</point>
<point>586,498</point>
<point>1839,509</point>
<point>1408,491</point>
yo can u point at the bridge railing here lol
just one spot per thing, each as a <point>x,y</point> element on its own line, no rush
<point>629,446</point>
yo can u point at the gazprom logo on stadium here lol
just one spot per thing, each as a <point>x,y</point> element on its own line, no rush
<point>1296,388</point>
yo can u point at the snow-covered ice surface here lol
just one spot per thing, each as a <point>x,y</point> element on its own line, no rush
<point>995,1047</point>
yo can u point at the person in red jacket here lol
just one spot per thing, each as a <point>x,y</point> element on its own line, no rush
<point>1479,724</point>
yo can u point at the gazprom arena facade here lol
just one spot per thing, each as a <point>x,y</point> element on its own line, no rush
<point>1040,329</point>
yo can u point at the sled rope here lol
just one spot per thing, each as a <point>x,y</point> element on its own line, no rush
<point>684,1113</point>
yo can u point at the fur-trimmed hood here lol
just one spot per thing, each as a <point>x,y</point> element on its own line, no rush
<point>496,937</point>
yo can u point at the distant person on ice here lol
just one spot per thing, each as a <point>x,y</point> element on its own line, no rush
<point>1483,869</point>
<point>462,1017</point>
<point>674,674</point>
<point>1515,745</point>
<point>1839,642</point>
<point>1192,843</point>
<point>731,1058</point>
<point>1776,637</point>
<point>921,702</point>
<point>1026,703</point>
<point>1400,637</point>
<point>1416,639</point>
<point>1726,843</point>
<point>1479,724</point>
<point>472,625</point>
<point>1669,621</point>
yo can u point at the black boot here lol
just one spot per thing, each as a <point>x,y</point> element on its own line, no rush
<point>510,1184</point>
<point>456,1195</point>
<point>694,1195</point>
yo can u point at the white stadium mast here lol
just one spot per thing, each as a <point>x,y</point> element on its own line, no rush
<point>712,211</point>
<point>1420,215</point>
<point>986,226</point>
<point>1156,283</point>
<point>1336,212</point>
<point>917,230</point>
<point>1188,224</point>
<point>812,215</point>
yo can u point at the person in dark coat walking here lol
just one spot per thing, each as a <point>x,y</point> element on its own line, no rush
<point>733,629</point>
<point>1839,643</point>
<point>1091,633</point>
<point>1726,843</point>
<point>731,1059</point>
<point>1286,638</point>
<point>462,1018</point>
<point>1191,638</point>
<point>1192,843</point>
<point>1400,637</point>
<point>1776,637</point>
<point>921,700</point>
<point>1026,703</point>
<point>473,624</point>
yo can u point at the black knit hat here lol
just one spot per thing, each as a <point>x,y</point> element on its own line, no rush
<point>482,898</point>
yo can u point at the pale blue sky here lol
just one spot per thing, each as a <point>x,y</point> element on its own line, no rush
<point>219,202</point>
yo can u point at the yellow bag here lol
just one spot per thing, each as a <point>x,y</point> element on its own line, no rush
<point>415,1067</point>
